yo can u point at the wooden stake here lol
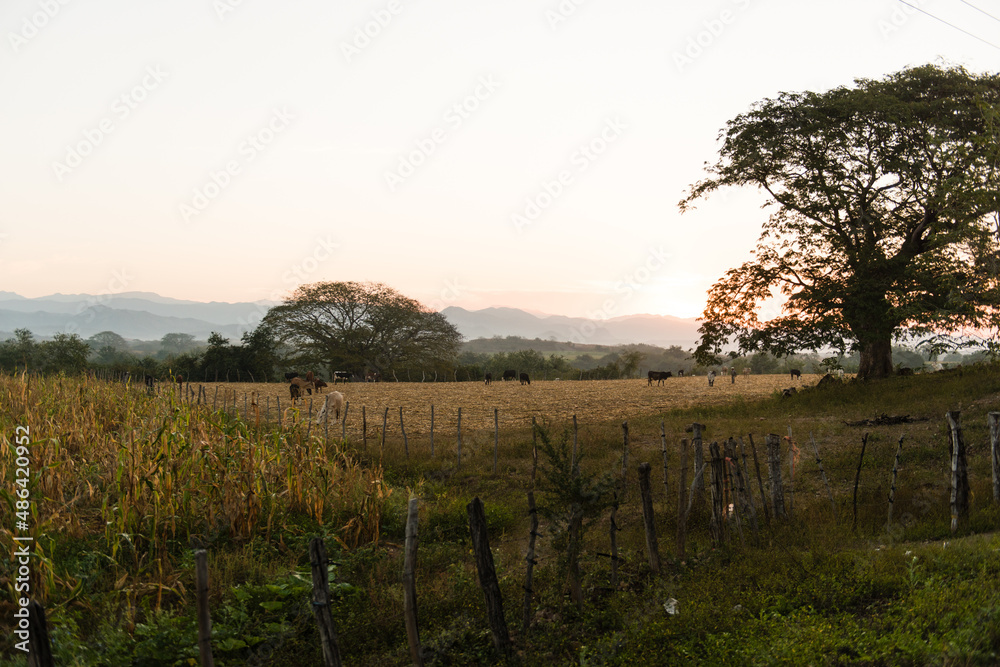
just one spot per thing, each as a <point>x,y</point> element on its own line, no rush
<point>760,480</point>
<point>432,430</point>
<point>496,438</point>
<point>321,603</point>
<point>39,648</point>
<point>409,583</point>
<point>959,472</point>
<point>892,485</point>
<point>774,468</point>
<point>488,579</point>
<point>857,479</point>
<point>402,428</point>
<point>682,501</point>
<point>663,451</point>
<point>652,549</point>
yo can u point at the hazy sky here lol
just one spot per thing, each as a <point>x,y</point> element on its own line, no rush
<point>471,153</point>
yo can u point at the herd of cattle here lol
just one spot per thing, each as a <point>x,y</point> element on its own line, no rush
<point>510,375</point>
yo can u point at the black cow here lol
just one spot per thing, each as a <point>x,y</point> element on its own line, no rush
<point>289,376</point>
<point>795,373</point>
<point>489,378</point>
<point>525,379</point>
<point>509,375</point>
<point>659,376</point>
<point>343,376</point>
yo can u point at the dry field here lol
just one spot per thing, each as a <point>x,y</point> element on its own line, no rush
<point>557,401</point>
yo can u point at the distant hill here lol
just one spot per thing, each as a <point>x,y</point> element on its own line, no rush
<point>659,330</point>
<point>132,315</point>
<point>149,316</point>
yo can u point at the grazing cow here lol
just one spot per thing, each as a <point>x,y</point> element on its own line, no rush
<point>343,376</point>
<point>310,377</point>
<point>319,384</point>
<point>525,379</point>
<point>796,373</point>
<point>509,375</point>
<point>297,385</point>
<point>334,402</point>
<point>659,376</point>
<point>711,378</point>
<point>489,378</point>
<point>289,376</point>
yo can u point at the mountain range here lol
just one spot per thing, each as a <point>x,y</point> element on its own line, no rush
<point>149,316</point>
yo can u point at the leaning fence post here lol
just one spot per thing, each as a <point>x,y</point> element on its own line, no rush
<point>624,459</point>
<point>857,478</point>
<point>488,578</point>
<point>321,603</point>
<point>717,488</point>
<point>402,428</point>
<point>892,486</point>
<point>663,451</point>
<point>959,471</point>
<point>409,583</point>
<point>652,549</point>
<point>39,649</point>
<point>204,618</point>
<point>385,421</point>
<point>432,430</point>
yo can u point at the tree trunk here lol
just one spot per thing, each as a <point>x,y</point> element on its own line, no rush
<point>876,357</point>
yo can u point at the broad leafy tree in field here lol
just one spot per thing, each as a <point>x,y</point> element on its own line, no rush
<point>360,326</point>
<point>884,200</point>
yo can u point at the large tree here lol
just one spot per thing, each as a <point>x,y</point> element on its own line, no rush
<point>884,222</point>
<point>362,326</point>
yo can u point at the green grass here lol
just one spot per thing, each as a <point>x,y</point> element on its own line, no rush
<point>813,592</point>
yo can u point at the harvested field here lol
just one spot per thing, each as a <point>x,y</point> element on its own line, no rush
<point>592,401</point>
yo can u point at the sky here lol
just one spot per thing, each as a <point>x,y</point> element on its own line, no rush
<point>528,154</point>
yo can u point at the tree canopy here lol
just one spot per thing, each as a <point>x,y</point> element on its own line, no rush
<point>362,326</point>
<point>885,216</point>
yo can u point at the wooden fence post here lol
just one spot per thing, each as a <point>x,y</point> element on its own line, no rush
<point>460,437</point>
<point>496,437</point>
<point>698,498</point>
<point>857,478</point>
<point>432,430</point>
<point>652,548</point>
<point>892,485</point>
<point>959,472</point>
<point>791,473</point>
<point>488,579</point>
<point>343,421</point>
<point>321,603</point>
<point>774,468</point>
<point>409,583</point>
<point>735,486</point>
<point>402,428</point>
<point>760,480</point>
<point>364,427</point>
<point>39,649</point>
<point>204,618</point>
<point>717,488</point>
<point>993,419</point>
<point>745,502</point>
<point>385,422</point>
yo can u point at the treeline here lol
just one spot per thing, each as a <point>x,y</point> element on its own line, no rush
<point>255,358</point>
<point>259,357</point>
